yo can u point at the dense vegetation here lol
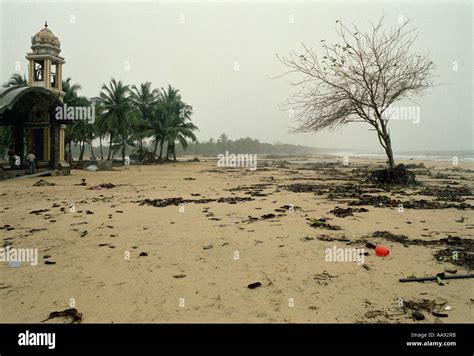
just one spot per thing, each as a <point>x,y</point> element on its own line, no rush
<point>144,123</point>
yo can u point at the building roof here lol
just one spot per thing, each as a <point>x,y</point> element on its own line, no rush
<point>23,98</point>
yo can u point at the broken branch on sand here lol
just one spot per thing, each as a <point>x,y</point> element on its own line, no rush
<point>435,278</point>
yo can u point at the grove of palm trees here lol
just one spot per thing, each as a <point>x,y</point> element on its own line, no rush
<point>126,117</point>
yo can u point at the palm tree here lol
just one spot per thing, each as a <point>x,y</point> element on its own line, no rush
<point>71,98</point>
<point>177,125</point>
<point>70,92</point>
<point>116,109</point>
<point>143,99</point>
<point>100,130</point>
<point>157,124</point>
<point>16,79</point>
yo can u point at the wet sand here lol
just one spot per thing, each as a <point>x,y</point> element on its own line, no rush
<point>124,261</point>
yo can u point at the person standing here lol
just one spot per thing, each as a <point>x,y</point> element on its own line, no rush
<point>31,158</point>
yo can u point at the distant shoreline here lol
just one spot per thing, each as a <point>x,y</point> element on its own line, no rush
<point>463,157</point>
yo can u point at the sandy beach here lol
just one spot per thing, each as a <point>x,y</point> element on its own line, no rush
<point>130,253</point>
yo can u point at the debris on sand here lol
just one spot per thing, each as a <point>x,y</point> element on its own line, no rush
<point>143,254</point>
<point>254,285</point>
<point>287,208</point>
<point>254,190</point>
<point>337,191</point>
<point>323,278</point>
<point>424,304</point>
<point>161,203</point>
<point>440,277</point>
<point>418,315</point>
<point>342,213</point>
<point>31,231</point>
<point>268,216</point>
<point>381,251</point>
<point>7,227</point>
<point>91,168</point>
<point>371,246</point>
<point>397,175</point>
<point>377,201</point>
<point>322,224</point>
<point>83,182</point>
<point>37,212</point>
<point>383,201</point>
<point>43,183</point>
<point>456,256</point>
<point>71,315</point>
<point>447,193</point>
<point>103,186</point>
<point>388,236</point>
<point>330,238</point>
<point>179,276</point>
<point>450,240</point>
<point>460,252</point>
<point>207,247</point>
<point>307,188</point>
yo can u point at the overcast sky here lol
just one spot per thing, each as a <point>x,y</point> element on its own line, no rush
<point>196,47</point>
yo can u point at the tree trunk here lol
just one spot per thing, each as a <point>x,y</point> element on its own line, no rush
<point>101,152</point>
<point>162,142</point>
<point>110,147</point>
<point>389,152</point>
<point>156,148</point>
<point>70,152</point>
<point>385,142</point>
<point>387,145</point>
<point>92,151</point>
<point>123,153</point>
<point>173,148</point>
<point>168,149</point>
<point>81,147</point>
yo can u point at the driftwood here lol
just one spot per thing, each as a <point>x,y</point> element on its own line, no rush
<point>435,278</point>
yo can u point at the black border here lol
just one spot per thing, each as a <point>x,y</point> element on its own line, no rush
<point>377,339</point>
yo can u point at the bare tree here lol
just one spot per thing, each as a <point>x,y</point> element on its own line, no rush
<point>358,79</point>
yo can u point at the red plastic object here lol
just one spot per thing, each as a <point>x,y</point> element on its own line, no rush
<point>382,251</point>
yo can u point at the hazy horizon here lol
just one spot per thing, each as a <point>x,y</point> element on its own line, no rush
<point>197,54</point>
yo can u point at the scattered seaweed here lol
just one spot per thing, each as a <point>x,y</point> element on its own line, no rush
<point>447,193</point>
<point>161,203</point>
<point>342,213</point>
<point>460,251</point>
<point>322,224</point>
<point>383,201</point>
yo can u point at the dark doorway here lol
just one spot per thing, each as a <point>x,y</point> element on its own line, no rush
<point>38,139</point>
